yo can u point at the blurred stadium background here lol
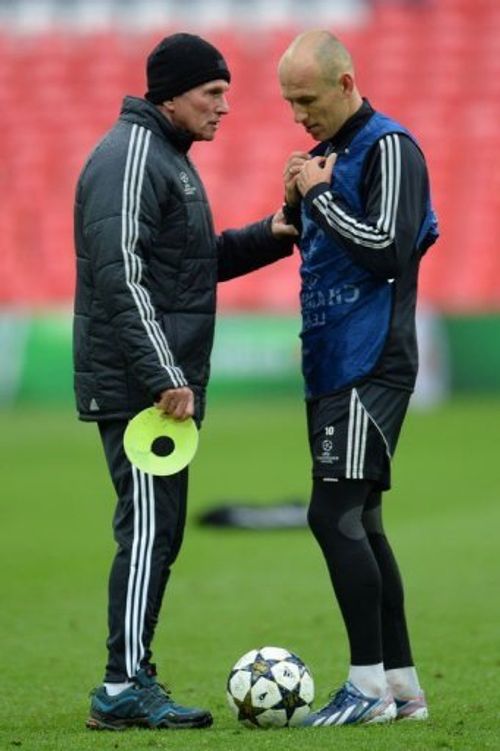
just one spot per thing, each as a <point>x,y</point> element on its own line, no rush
<point>64,68</point>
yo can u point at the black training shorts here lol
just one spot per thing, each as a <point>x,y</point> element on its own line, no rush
<point>353,434</point>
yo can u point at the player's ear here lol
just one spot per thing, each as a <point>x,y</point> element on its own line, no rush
<point>347,83</point>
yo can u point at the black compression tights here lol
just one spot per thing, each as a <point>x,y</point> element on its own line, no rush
<point>346,520</point>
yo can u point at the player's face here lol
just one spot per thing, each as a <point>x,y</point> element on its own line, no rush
<point>199,110</point>
<point>320,106</point>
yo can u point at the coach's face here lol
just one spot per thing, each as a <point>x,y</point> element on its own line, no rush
<point>199,110</point>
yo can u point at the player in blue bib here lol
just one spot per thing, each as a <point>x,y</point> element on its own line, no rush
<point>361,201</point>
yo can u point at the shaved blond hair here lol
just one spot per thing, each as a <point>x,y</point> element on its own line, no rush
<point>321,48</point>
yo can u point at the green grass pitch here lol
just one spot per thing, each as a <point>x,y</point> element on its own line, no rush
<point>233,590</point>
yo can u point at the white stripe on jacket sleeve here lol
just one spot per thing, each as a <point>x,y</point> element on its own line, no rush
<point>383,233</point>
<point>132,187</point>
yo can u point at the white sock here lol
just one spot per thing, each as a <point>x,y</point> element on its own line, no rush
<point>113,689</point>
<point>369,679</point>
<point>403,683</point>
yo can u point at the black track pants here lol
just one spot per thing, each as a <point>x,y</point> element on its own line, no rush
<point>148,528</point>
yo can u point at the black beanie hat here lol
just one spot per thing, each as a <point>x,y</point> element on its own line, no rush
<point>179,63</point>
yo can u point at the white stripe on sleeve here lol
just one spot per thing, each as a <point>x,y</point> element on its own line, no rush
<point>383,233</point>
<point>132,187</point>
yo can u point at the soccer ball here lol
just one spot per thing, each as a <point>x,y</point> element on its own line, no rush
<point>270,687</point>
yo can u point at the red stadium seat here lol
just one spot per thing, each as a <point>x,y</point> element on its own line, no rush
<point>436,66</point>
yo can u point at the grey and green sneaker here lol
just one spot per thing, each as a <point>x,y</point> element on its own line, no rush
<point>145,704</point>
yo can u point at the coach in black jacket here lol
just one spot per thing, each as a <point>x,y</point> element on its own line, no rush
<point>148,262</point>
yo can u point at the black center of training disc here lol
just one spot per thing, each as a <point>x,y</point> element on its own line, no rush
<point>162,446</point>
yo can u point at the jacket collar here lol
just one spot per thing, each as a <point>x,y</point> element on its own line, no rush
<point>346,133</point>
<point>344,136</point>
<point>142,112</point>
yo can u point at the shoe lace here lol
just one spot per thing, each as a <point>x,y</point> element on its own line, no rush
<point>156,696</point>
<point>337,696</point>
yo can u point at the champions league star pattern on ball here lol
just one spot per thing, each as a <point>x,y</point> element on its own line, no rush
<point>270,687</point>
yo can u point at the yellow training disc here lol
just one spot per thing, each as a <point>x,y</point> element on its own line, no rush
<point>160,445</point>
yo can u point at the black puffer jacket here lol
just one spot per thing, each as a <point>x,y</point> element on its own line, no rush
<point>148,262</point>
